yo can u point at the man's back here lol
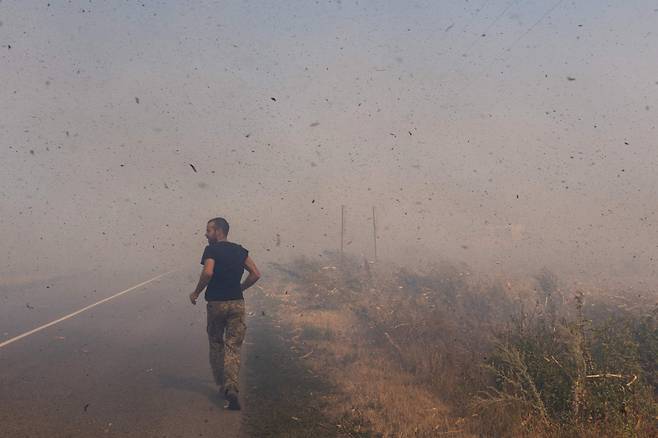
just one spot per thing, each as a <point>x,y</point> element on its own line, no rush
<point>229,260</point>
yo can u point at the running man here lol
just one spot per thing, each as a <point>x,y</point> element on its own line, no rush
<point>224,263</point>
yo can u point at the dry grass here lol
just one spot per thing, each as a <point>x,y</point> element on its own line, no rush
<point>446,352</point>
<point>375,395</point>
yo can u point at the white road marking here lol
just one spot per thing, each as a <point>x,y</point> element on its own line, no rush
<point>71,315</point>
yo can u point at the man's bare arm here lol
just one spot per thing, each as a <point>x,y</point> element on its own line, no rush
<point>253,276</point>
<point>204,279</point>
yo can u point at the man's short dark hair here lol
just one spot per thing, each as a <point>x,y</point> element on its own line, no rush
<point>220,224</point>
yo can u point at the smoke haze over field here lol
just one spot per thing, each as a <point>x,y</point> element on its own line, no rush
<point>507,134</point>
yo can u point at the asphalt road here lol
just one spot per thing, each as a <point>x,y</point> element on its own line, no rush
<point>134,366</point>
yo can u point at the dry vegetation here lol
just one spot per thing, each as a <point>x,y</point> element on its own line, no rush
<point>448,353</point>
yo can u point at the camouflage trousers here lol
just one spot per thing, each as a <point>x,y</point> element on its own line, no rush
<point>226,330</point>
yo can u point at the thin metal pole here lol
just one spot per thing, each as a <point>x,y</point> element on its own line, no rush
<point>342,229</point>
<point>374,231</point>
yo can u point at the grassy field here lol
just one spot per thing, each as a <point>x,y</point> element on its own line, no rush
<point>446,352</point>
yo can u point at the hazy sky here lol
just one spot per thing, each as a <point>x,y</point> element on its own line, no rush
<point>508,134</point>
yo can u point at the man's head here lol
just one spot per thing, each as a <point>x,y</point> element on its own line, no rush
<point>216,229</point>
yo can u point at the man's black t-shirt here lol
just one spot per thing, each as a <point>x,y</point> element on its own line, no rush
<point>229,260</point>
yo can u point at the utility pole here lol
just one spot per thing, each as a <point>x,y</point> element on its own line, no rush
<point>342,229</point>
<point>374,232</point>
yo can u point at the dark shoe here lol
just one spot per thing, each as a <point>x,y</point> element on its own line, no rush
<point>232,399</point>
